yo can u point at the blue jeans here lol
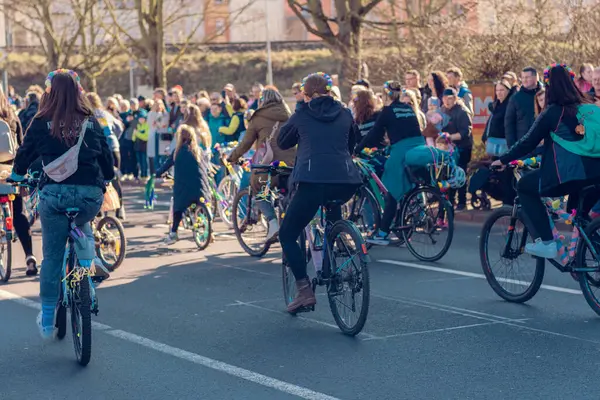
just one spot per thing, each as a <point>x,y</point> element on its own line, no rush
<point>54,201</point>
<point>142,160</point>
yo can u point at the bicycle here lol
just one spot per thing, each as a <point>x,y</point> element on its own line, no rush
<point>571,259</point>
<point>227,189</point>
<point>327,242</point>
<point>198,219</point>
<point>7,195</point>
<point>424,211</point>
<point>249,224</point>
<point>111,247</point>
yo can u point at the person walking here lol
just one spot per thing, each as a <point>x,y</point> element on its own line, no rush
<point>520,111</point>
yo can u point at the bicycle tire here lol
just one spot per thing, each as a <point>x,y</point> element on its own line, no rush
<point>6,271</point>
<point>288,279</point>
<point>202,213</point>
<point>122,242</point>
<point>61,320</point>
<point>584,281</point>
<point>406,233</point>
<point>369,198</point>
<point>352,231</point>
<point>229,182</point>
<point>81,304</point>
<point>261,250</point>
<point>536,282</point>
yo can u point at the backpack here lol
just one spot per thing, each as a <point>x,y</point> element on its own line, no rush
<point>66,165</point>
<point>588,130</point>
<point>264,154</point>
<point>8,143</point>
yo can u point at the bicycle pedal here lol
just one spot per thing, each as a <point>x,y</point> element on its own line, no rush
<point>305,309</point>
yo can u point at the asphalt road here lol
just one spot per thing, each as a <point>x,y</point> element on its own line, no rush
<point>181,324</point>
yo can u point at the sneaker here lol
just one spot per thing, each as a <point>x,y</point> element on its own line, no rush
<point>121,214</point>
<point>47,332</point>
<point>542,249</point>
<point>379,239</point>
<point>171,238</point>
<point>273,229</point>
<point>442,223</point>
<point>99,271</point>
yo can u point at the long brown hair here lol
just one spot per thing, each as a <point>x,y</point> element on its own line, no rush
<point>194,119</point>
<point>364,106</point>
<point>6,111</point>
<point>66,107</point>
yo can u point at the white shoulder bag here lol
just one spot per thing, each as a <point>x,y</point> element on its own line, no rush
<point>66,165</point>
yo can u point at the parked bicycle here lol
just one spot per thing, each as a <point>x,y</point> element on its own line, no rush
<point>7,195</point>
<point>581,257</point>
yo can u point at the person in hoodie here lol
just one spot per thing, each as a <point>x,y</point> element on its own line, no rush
<point>520,110</point>
<point>140,142</point>
<point>401,123</point>
<point>265,125</point>
<point>455,77</point>
<point>236,124</point>
<point>32,101</point>
<point>324,172</point>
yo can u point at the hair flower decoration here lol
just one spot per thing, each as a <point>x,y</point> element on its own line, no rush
<point>52,74</point>
<point>389,90</point>
<point>549,67</point>
<point>322,74</point>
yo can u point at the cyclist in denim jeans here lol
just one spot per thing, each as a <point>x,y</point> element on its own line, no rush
<point>53,131</point>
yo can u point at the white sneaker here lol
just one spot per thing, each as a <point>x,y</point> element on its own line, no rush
<point>273,229</point>
<point>171,238</point>
<point>99,270</point>
<point>541,249</point>
<point>47,332</point>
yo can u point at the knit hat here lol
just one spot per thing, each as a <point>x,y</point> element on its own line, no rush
<point>450,92</point>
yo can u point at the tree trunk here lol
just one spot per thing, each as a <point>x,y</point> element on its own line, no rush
<point>156,51</point>
<point>350,50</point>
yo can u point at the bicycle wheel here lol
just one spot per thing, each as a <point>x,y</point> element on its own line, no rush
<point>289,281</point>
<point>202,226</point>
<point>227,189</point>
<point>81,320</point>
<point>5,256</point>
<point>349,288</point>
<point>363,210</point>
<point>428,223</point>
<point>248,225</point>
<point>111,245</point>
<point>61,319</point>
<point>514,276</point>
<point>586,259</point>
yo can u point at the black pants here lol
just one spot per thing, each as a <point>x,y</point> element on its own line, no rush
<point>389,212</point>
<point>177,217</point>
<point>22,227</point>
<point>302,209</point>
<point>128,158</point>
<point>533,210</point>
<point>464,158</point>
<point>115,182</point>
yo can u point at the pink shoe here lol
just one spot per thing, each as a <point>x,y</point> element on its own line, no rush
<point>441,223</point>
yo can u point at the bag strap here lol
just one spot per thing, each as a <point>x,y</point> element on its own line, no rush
<point>560,120</point>
<point>273,132</point>
<point>82,133</point>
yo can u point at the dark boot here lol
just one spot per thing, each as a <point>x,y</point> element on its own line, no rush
<point>305,296</point>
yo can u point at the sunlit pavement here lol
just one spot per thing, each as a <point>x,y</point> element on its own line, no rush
<point>176,323</point>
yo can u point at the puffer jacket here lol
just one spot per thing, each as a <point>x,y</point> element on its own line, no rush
<point>520,114</point>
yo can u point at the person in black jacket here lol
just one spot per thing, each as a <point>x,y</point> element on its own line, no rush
<point>567,164</point>
<point>459,128</point>
<point>325,135</point>
<point>32,101</point>
<point>63,116</point>
<point>520,112</point>
<point>404,132</point>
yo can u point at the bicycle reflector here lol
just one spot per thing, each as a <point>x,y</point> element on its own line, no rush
<point>4,199</point>
<point>8,223</point>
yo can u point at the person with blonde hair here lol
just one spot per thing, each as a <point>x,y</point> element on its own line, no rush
<point>193,118</point>
<point>191,176</point>
<point>409,97</point>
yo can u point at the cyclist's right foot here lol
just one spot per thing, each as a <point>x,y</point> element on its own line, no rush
<point>46,323</point>
<point>99,271</point>
<point>305,296</point>
<point>171,238</point>
<point>542,249</point>
<point>380,239</point>
<point>273,229</point>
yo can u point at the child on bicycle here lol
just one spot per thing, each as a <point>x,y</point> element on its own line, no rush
<point>570,159</point>
<point>191,176</point>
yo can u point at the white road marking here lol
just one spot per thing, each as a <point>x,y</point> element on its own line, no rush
<point>475,275</point>
<point>452,328</point>
<point>250,376</point>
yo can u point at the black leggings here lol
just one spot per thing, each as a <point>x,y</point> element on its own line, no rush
<point>389,212</point>
<point>22,227</point>
<point>534,211</point>
<point>177,217</point>
<point>302,208</point>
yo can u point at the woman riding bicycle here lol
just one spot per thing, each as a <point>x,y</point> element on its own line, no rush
<point>324,172</point>
<point>567,165</point>
<point>404,132</point>
<point>264,126</point>
<point>54,130</point>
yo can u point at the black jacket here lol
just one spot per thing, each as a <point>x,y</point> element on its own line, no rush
<point>325,134</point>
<point>398,120</point>
<point>460,122</point>
<point>27,114</point>
<point>365,128</point>
<point>520,114</point>
<point>495,127</point>
<point>95,158</point>
<point>562,172</point>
